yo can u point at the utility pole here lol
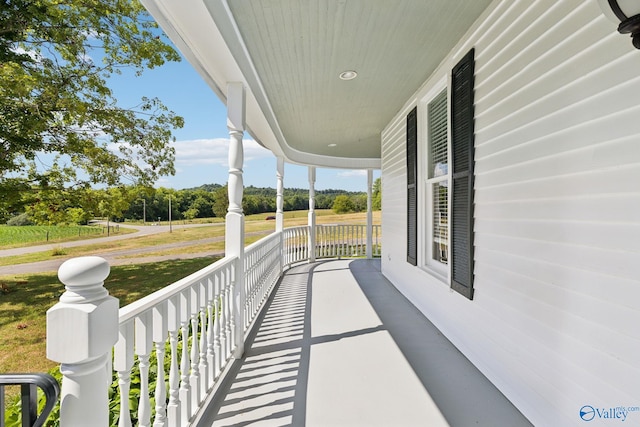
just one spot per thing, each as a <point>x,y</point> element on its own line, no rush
<point>170,230</point>
<point>144,211</point>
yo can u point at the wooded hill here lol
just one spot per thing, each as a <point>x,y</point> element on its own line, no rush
<point>49,206</point>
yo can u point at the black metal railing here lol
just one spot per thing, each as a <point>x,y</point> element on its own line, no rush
<point>29,384</point>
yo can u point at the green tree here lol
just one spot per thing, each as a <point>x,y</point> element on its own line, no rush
<point>49,203</point>
<point>55,61</point>
<point>77,216</point>
<point>342,204</point>
<point>190,213</point>
<point>250,204</point>
<point>114,202</point>
<point>220,202</point>
<point>359,202</point>
<point>204,204</point>
<point>376,197</point>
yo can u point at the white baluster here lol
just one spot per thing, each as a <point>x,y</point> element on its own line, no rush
<point>143,347</point>
<point>159,314</point>
<point>173,325</point>
<point>252,283</point>
<point>229,313</point>
<point>81,331</point>
<point>194,380</point>
<point>217,346</point>
<point>203,367</point>
<point>185,387</point>
<point>210,347</point>
<point>223,316</point>
<point>122,364</point>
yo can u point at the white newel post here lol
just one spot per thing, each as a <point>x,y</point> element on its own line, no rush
<point>234,233</point>
<point>280,195</point>
<point>369,214</point>
<point>81,331</point>
<point>312,214</point>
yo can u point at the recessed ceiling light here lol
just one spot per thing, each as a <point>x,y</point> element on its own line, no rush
<point>333,145</point>
<point>348,75</point>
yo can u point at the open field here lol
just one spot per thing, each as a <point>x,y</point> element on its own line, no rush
<point>254,224</point>
<point>27,235</point>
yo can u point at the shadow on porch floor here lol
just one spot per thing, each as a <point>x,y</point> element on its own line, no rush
<point>338,345</point>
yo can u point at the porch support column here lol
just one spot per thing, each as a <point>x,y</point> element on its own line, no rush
<point>369,214</point>
<point>312,214</point>
<point>234,231</point>
<point>280,195</point>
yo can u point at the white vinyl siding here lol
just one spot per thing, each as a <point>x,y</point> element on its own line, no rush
<point>554,320</point>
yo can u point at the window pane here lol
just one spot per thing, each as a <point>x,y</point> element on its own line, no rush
<point>438,137</point>
<point>440,221</point>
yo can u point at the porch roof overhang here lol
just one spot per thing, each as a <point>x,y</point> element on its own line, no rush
<point>289,55</point>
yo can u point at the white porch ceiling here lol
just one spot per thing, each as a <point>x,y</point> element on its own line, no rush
<point>289,54</point>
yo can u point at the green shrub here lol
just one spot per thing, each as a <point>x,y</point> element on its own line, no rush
<point>22,219</point>
<point>58,251</point>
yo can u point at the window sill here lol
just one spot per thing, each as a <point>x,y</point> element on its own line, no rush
<point>440,276</point>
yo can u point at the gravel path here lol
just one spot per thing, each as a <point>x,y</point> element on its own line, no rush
<point>118,257</point>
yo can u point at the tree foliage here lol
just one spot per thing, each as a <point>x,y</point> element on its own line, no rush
<point>343,204</point>
<point>50,206</point>
<point>376,196</point>
<point>56,58</point>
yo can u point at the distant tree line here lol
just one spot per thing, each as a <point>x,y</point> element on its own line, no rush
<point>44,205</point>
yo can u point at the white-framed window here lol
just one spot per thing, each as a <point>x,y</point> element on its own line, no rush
<point>436,184</point>
<point>440,175</point>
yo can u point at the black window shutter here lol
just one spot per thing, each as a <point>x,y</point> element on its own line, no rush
<point>462,159</point>
<point>412,191</point>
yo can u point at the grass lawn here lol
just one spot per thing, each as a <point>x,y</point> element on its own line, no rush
<point>24,300</point>
<point>28,235</point>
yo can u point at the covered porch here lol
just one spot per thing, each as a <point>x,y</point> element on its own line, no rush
<point>337,344</point>
<point>303,338</point>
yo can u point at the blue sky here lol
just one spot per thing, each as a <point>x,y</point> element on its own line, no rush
<point>201,145</point>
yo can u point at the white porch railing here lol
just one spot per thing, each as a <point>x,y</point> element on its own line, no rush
<point>295,242</point>
<point>183,335</point>
<point>332,241</point>
<point>193,320</point>
<point>345,241</point>
<point>262,269</point>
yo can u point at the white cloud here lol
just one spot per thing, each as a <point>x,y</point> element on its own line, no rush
<point>214,151</point>
<point>356,173</point>
<point>34,55</point>
<point>86,58</point>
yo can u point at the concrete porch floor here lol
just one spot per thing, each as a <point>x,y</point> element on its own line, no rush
<point>338,345</point>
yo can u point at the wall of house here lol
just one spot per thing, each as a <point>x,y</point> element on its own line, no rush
<point>555,321</point>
